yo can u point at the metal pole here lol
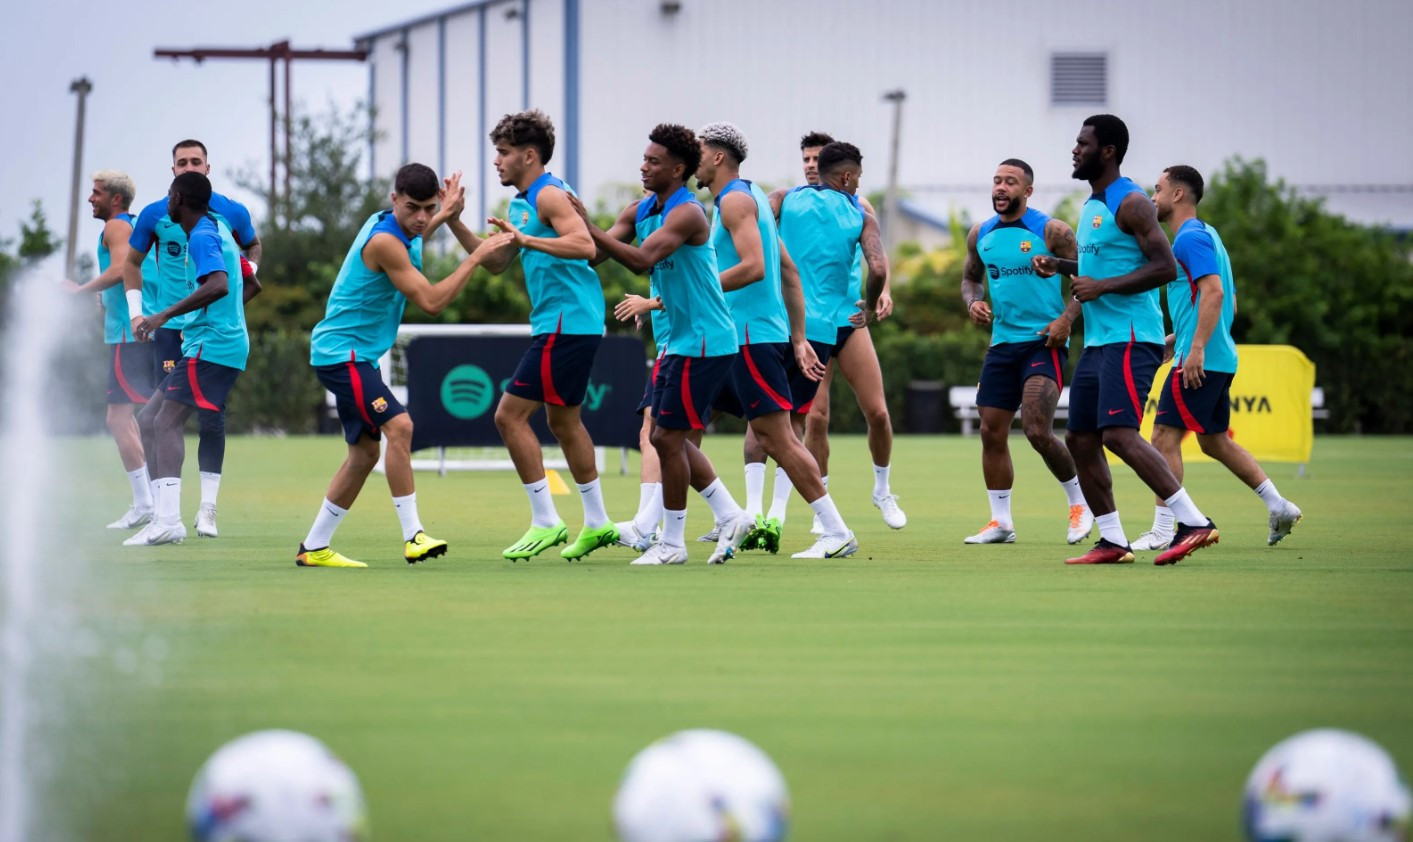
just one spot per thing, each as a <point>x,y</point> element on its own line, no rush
<point>270,199</point>
<point>80,86</point>
<point>890,198</point>
<point>289,156</point>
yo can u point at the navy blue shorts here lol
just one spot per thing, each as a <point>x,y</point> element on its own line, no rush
<point>363,399</point>
<point>130,373</point>
<point>689,389</point>
<point>841,338</point>
<point>760,382</point>
<point>803,389</point>
<point>204,385</point>
<point>653,387</point>
<point>1110,385</point>
<point>166,353</point>
<point>556,369</point>
<point>1205,410</point>
<point>1009,364</point>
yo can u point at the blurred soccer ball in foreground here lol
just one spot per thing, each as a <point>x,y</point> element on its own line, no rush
<point>276,786</point>
<point>702,786</point>
<point>1326,786</point>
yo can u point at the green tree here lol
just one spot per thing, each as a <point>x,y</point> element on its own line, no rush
<point>1339,291</point>
<point>37,241</point>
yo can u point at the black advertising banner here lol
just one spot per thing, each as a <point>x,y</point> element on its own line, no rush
<point>455,382</point>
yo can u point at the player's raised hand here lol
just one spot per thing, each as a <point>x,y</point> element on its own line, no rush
<point>1044,265</point>
<point>69,286</point>
<point>808,361</point>
<point>633,306</point>
<point>1086,289</point>
<point>863,317</point>
<point>491,244</point>
<point>578,206</point>
<point>452,196</point>
<point>505,226</point>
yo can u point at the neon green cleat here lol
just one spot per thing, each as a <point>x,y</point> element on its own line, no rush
<point>422,547</point>
<point>536,540</point>
<point>590,540</point>
<point>324,558</point>
<point>752,541</point>
<point>769,538</point>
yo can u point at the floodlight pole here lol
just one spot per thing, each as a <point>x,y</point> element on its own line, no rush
<point>80,86</point>
<point>890,198</point>
<point>280,51</point>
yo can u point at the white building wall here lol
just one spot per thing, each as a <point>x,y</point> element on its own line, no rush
<point>1318,89</point>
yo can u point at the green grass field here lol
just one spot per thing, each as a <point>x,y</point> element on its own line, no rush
<point>921,690</point>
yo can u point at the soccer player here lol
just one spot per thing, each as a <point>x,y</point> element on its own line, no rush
<point>157,233</point>
<point>674,246</point>
<point>824,226</point>
<point>566,320</point>
<point>130,366</point>
<point>1197,395</point>
<point>1030,330</point>
<point>381,273</point>
<point>854,356</point>
<point>1123,259</point>
<point>763,293</point>
<point>214,348</point>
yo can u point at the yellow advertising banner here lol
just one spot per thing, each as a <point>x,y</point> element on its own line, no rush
<point>1270,405</point>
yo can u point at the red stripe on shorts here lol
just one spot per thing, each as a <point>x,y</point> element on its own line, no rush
<point>122,379</point>
<point>201,402</point>
<point>356,380</point>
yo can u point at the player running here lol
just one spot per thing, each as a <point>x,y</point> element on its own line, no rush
<point>1123,259</point>
<point>824,226</point>
<point>130,364</point>
<point>214,348</point>
<point>155,228</point>
<point>760,283</point>
<point>675,248</point>
<point>1197,394</point>
<point>567,320</point>
<point>1030,331</point>
<point>381,273</point>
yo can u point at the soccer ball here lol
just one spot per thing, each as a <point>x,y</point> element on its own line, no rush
<point>276,786</point>
<point>1326,786</point>
<point>702,786</point>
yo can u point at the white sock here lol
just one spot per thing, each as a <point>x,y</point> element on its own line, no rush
<point>1162,520</point>
<point>210,486</point>
<point>407,515</point>
<point>169,501</point>
<point>718,496</point>
<point>1001,506</point>
<point>880,481</point>
<point>824,478</point>
<point>780,496</point>
<point>592,496</point>
<point>142,488</point>
<point>542,513</point>
<point>674,532</point>
<point>1111,530</point>
<point>1184,510</point>
<point>325,522</point>
<point>1072,491</point>
<point>755,488</point>
<point>829,517</point>
<point>649,508</point>
<point>1266,491</point>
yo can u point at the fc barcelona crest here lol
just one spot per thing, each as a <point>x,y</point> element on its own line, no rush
<point>380,404</point>
<point>1025,246</point>
<point>524,218</point>
<point>1098,220</point>
<point>168,365</point>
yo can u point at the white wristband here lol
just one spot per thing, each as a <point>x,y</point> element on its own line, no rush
<point>254,267</point>
<point>134,297</point>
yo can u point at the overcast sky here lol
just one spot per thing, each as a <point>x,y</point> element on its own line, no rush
<point>140,106</point>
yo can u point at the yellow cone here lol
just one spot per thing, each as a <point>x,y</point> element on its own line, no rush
<point>556,483</point>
